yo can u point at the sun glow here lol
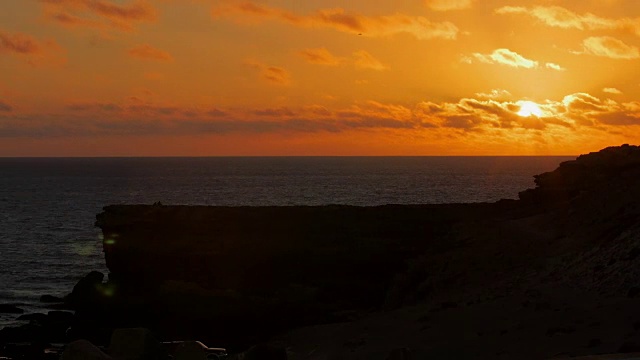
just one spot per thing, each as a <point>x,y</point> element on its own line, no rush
<point>529,108</point>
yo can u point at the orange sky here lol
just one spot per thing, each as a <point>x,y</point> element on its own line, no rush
<point>292,77</point>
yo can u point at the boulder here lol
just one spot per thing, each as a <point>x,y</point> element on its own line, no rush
<point>83,350</point>
<point>87,291</point>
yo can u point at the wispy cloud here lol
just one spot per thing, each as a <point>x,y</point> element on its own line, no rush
<point>148,52</point>
<point>610,47</point>
<point>100,14</point>
<point>447,5</point>
<point>360,59</point>
<point>30,49</point>
<point>506,57</point>
<point>320,56</point>
<point>495,94</point>
<point>273,74</point>
<point>553,66</point>
<point>341,20</point>
<point>5,107</point>
<point>610,90</point>
<point>364,60</point>
<point>19,44</point>
<point>509,58</point>
<point>557,16</point>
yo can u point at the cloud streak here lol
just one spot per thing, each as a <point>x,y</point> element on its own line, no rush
<point>31,50</point>
<point>509,58</point>
<point>148,52</point>
<point>448,5</point>
<point>613,91</point>
<point>5,107</point>
<point>364,60</point>
<point>560,17</point>
<point>360,59</point>
<point>320,56</point>
<point>341,20</point>
<point>272,74</point>
<point>606,46</point>
<point>99,14</point>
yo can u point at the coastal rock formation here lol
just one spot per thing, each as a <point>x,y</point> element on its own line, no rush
<point>586,174</point>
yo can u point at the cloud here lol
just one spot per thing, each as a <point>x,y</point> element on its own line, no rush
<point>341,20</point>
<point>612,91</point>
<point>147,52</point>
<point>19,44</point>
<point>278,113</point>
<point>446,5</point>
<point>360,59</point>
<point>574,114</point>
<point>587,110</point>
<point>320,56</point>
<point>364,60</point>
<point>503,57</point>
<point>4,107</point>
<point>553,66</point>
<point>273,74</point>
<point>573,111</point>
<point>557,16</point>
<point>100,14</point>
<point>495,94</point>
<point>509,58</point>
<point>33,51</point>
<point>109,107</point>
<point>613,48</point>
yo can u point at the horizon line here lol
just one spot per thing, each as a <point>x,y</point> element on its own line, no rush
<point>268,156</point>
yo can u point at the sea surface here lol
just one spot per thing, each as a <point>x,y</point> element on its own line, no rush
<point>48,205</point>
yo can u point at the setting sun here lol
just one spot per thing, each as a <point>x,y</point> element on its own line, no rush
<point>529,108</point>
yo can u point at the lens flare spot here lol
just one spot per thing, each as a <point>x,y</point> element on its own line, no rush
<point>108,291</point>
<point>84,249</point>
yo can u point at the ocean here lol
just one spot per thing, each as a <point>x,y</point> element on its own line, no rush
<point>48,205</point>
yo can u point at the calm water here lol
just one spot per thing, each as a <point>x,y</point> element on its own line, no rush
<point>48,206</point>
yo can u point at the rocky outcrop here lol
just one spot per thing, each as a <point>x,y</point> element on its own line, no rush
<point>585,174</point>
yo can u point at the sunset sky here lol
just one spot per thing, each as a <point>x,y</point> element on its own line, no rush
<point>294,77</point>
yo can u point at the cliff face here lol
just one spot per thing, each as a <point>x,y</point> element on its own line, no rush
<point>330,254</point>
<point>255,270</point>
<point>271,268</point>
